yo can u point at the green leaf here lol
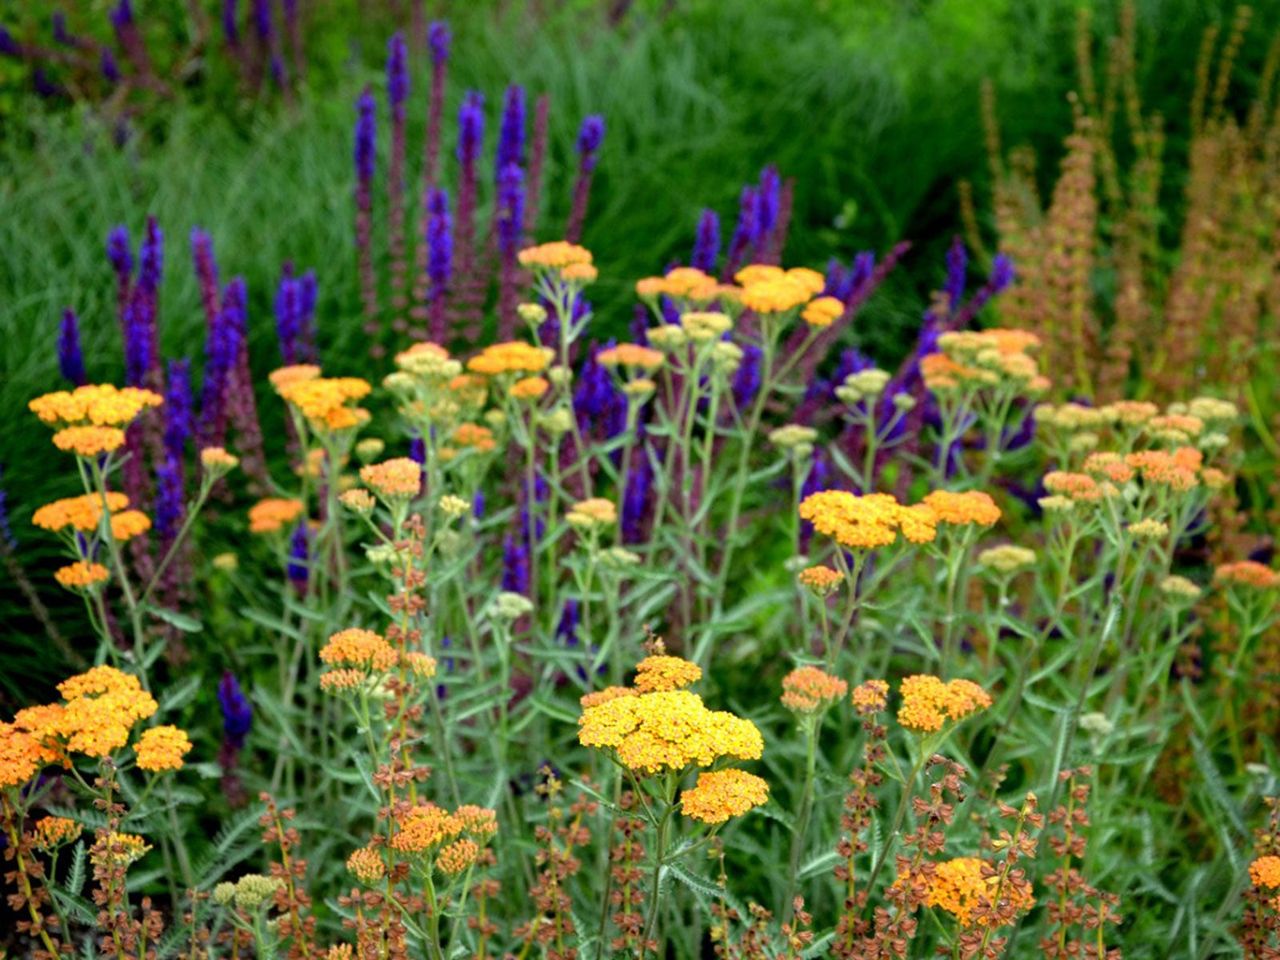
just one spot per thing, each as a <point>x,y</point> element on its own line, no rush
<point>177,620</point>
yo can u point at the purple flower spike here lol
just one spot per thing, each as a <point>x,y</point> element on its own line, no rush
<point>768,204</point>
<point>169,499</point>
<point>60,34</point>
<point>70,357</point>
<point>178,415</point>
<point>515,565</point>
<point>121,15</point>
<point>743,232</point>
<point>120,251</point>
<point>366,136</point>
<point>110,69</point>
<point>298,568</point>
<point>262,18</point>
<point>438,39</point>
<point>957,274</point>
<point>510,208</point>
<point>470,127</point>
<point>9,47</point>
<point>231,21</point>
<point>1002,273</point>
<point>397,73</point>
<point>139,340</point>
<point>288,307</point>
<point>237,714</point>
<point>706,245</point>
<point>151,257</point>
<point>511,135</point>
<point>439,243</point>
<point>590,136</point>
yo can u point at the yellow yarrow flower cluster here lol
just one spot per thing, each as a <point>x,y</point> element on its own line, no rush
<point>99,405</point>
<point>721,794</point>
<point>867,522</point>
<point>514,356</point>
<point>667,731</point>
<point>631,355</point>
<point>558,255</point>
<point>661,672</point>
<point>928,703</point>
<point>82,513</point>
<point>769,289</point>
<point>984,358</point>
<point>162,748</point>
<point>971,508</point>
<point>592,513</point>
<point>326,402</point>
<point>1265,872</point>
<point>687,284</point>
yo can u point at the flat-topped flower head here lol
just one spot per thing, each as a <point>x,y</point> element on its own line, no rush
<point>1264,872</point>
<point>596,697</point>
<point>99,405</point>
<point>218,461</point>
<point>457,857</point>
<point>1007,559</point>
<point>928,704</point>
<point>1077,487</point>
<point>118,850</point>
<point>529,388</point>
<point>663,672</point>
<point>82,575</point>
<point>779,295</point>
<point>1247,573</point>
<point>867,522</point>
<point>162,748</point>
<point>970,508</point>
<point>962,885</point>
<point>514,356</point>
<point>820,580</point>
<point>273,514</point>
<point>363,649</point>
<point>82,514</point>
<point>326,402</point>
<point>870,696</point>
<point>424,827</point>
<point>285,377</point>
<point>89,442</point>
<point>592,513</point>
<point>822,312</point>
<point>54,832</point>
<point>702,326</point>
<point>811,690</point>
<point>396,480</point>
<point>429,360</point>
<point>101,705</point>
<point>556,255</point>
<point>721,794</point>
<point>631,355</point>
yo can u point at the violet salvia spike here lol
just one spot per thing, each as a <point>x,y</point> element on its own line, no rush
<point>237,713</point>
<point>438,44</point>
<point>70,356</point>
<point>439,243</point>
<point>60,34</point>
<point>743,233</point>
<point>108,67</point>
<point>512,131</point>
<point>509,218</point>
<point>179,422</point>
<point>138,340</point>
<point>293,30</point>
<point>242,408</point>
<point>778,236</point>
<point>222,348</point>
<point>397,92</point>
<point>298,568</point>
<point>467,304</point>
<point>288,307</point>
<point>206,273</point>
<point>1001,277</point>
<point>365,157</point>
<point>120,256</point>
<point>231,22</point>
<point>590,136</point>
<point>308,349</point>
<point>768,200</point>
<point>957,274</point>
<point>706,244</point>
<point>6,529</point>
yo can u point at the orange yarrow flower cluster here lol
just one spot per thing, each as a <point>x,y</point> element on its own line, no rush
<point>928,703</point>
<point>273,514</point>
<point>809,690</point>
<point>557,255</point>
<point>1247,573</point>
<point>98,405</point>
<point>325,402</point>
<point>162,748</point>
<point>961,885</point>
<point>971,508</point>
<point>514,356</point>
<point>396,479</point>
<point>721,794</point>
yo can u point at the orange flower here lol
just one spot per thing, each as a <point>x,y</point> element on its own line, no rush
<point>971,508</point>
<point>396,479</point>
<point>81,575</point>
<point>89,441</point>
<point>959,886</point>
<point>529,388</point>
<point>556,255</point>
<point>808,690</point>
<point>1265,872</point>
<point>102,405</point>
<point>870,696</point>
<point>272,514</point>
<point>1247,573</point>
<point>665,673</point>
<point>359,648</point>
<point>821,579</point>
<point>631,355</point>
<point>721,794</point>
<point>822,312</point>
<point>162,748</point>
<point>82,513</point>
<point>515,356</point>
<point>928,703</point>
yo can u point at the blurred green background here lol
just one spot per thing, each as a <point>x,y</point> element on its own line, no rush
<point>872,107</point>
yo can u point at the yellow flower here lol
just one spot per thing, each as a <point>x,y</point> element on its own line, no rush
<point>54,832</point>
<point>359,648</point>
<point>129,524</point>
<point>660,672</point>
<point>217,460</point>
<point>867,522</point>
<point>721,794</point>
<point>81,575</point>
<point>118,849</point>
<point>592,512</point>
<point>423,827</point>
<point>273,514</point>
<point>89,441</point>
<point>701,326</point>
<point>515,356</point>
<point>959,886</point>
<point>822,312</point>
<point>94,404</point>
<point>357,501</point>
<point>809,690</point>
<point>775,296</point>
<point>82,513</point>
<point>396,479</point>
<point>604,696</point>
<point>1265,872</point>
<point>162,748</point>
<point>972,508</point>
<point>529,388</point>
<point>556,255</point>
<point>631,355</point>
<point>870,696</point>
<point>928,703</point>
<point>580,273</point>
<point>758,273</point>
<point>286,377</point>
